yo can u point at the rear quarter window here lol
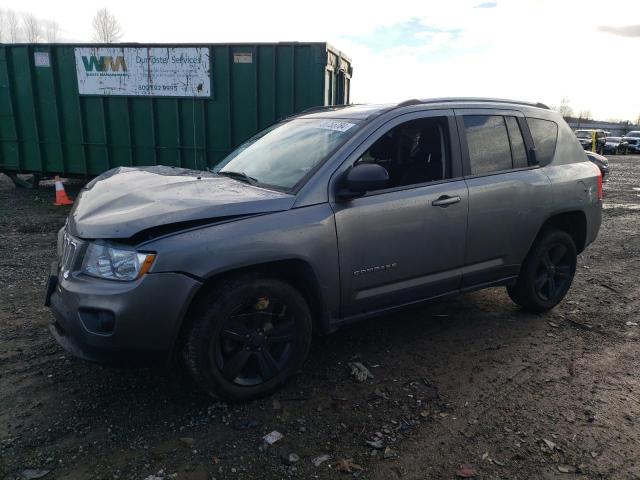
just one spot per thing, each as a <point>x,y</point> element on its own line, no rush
<point>545,136</point>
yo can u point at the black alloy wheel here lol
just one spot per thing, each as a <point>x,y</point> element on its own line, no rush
<point>247,336</point>
<point>256,341</point>
<point>554,272</point>
<point>546,273</point>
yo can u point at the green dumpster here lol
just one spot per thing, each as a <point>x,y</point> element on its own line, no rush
<point>81,109</point>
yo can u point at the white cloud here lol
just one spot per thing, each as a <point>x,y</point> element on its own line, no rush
<point>539,50</point>
<point>532,50</point>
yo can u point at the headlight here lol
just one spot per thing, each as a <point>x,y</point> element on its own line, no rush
<point>104,261</point>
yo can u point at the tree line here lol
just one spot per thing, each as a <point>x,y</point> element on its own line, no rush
<point>567,111</point>
<point>25,27</point>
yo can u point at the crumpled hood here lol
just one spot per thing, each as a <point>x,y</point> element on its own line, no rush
<point>124,201</point>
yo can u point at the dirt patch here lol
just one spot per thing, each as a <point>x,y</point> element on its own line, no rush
<point>473,381</point>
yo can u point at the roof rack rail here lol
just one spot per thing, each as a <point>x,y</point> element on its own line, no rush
<point>311,110</point>
<point>470,99</point>
<point>320,107</point>
<point>413,101</point>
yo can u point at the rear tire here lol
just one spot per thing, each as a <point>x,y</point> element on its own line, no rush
<point>247,337</point>
<point>547,272</point>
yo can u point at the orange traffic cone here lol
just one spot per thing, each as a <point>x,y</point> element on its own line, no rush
<point>61,195</point>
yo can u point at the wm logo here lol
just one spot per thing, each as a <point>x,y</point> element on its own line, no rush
<point>104,64</point>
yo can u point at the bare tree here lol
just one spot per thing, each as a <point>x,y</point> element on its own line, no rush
<point>106,28</point>
<point>32,29</point>
<point>565,109</point>
<point>13,26</point>
<point>585,114</point>
<point>52,31</point>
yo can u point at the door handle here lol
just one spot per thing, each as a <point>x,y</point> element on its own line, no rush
<point>445,201</point>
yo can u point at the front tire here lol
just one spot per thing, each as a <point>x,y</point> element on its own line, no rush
<point>547,272</point>
<point>247,337</point>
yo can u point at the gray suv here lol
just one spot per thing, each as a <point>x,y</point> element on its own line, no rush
<point>331,216</point>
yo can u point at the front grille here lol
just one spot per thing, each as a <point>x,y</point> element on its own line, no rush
<point>70,253</point>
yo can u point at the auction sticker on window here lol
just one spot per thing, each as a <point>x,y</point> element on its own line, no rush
<point>163,72</point>
<point>336,126</point>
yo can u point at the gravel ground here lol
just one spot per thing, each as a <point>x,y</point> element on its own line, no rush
<point>471,386</point>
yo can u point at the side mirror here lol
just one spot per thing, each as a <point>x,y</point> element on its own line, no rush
<point>362,178</point>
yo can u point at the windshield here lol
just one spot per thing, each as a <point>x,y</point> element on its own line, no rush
<point>283,154</point>
<point>583,134</point>
<point>635,134</point>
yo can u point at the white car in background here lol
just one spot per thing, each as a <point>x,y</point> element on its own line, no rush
<point>633,140</point>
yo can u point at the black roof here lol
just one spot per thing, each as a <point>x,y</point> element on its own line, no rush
<point>474,100</point>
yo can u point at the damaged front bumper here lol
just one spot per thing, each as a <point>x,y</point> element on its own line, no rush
<point>113,322</point>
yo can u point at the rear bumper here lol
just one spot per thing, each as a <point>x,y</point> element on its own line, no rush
<point>594,219</point>
<point>115,322</point>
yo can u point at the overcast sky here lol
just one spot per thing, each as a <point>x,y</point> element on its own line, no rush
<point>538,50</point>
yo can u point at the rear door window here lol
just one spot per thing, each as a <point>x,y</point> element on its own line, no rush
<point>545,135</point>
<point>488,142</point>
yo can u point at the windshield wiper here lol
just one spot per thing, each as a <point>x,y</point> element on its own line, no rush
<point>239,176</point>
